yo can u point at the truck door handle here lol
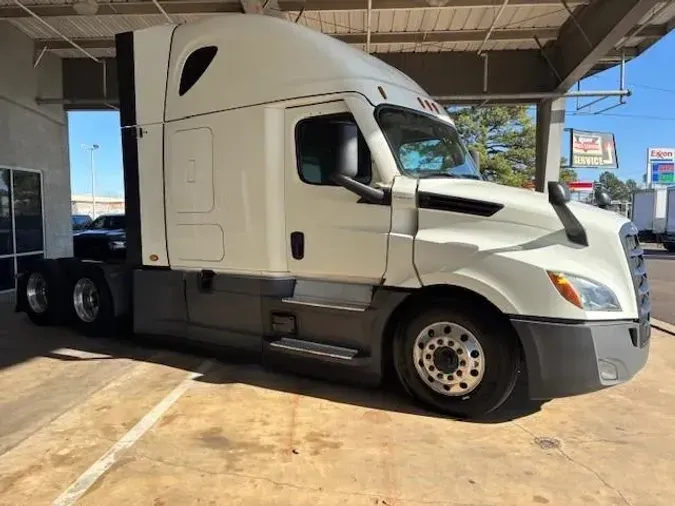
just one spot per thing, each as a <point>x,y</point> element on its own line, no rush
<point>206,280</point>
<point>298,245</point>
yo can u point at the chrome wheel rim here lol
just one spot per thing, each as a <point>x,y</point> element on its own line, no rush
<point>36,293</point>
<point>86,300</point>
<point>449,359</point>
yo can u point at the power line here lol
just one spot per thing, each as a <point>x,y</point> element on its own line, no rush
<point>619,115</point>
<point>655,88</point>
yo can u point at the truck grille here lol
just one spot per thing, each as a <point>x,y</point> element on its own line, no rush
<point>638,269</point>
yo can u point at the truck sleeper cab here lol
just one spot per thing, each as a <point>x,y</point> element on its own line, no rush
<point>305,201</point>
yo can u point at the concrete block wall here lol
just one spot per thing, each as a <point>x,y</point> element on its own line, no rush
<point>34,136</point>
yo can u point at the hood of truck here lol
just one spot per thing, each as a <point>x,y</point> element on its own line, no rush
<point>500,242</point>
<point>521,206</point>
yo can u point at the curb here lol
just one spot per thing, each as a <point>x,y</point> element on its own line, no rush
<point>668,328</point>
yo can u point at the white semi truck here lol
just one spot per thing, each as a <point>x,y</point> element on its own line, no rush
<point>294,197</point>
<point>649,214</point>
<point>653,214</point>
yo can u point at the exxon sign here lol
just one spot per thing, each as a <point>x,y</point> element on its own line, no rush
<point>662,154</point>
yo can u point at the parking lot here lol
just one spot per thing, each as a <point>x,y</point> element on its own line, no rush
<point>110,422</point>
<point>661,270</point>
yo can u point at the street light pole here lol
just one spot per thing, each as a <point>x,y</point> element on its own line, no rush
<point>91,148</point>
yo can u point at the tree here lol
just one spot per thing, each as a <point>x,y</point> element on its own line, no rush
<point>618,190</point>
<point>567,174</point>
<point>505,137</point>
<point>632,186</point>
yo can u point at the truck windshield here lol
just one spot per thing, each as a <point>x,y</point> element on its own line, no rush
<point>424,146</point>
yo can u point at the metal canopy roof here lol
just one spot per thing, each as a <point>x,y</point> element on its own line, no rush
<point>551,43</point>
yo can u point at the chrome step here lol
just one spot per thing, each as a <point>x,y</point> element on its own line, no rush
<point>329,304</point>
<point>332,295</point>
<point>312,348</point>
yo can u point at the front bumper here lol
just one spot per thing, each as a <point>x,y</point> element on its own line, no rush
<point>564,359</point>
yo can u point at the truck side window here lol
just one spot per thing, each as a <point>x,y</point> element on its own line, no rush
<point>195,66</point>
<point>317,144</point>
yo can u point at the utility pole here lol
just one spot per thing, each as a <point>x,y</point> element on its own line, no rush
<point>91,148</point>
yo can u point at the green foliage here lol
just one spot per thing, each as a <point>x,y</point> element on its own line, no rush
<point>505,137</point>
<point>618,190</point>
<point>567,175</point>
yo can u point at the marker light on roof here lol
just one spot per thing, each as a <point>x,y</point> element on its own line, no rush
<point>382,92</point>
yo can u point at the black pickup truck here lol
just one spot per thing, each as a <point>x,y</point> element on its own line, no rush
<point>104,239</point>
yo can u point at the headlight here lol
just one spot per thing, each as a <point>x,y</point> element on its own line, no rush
<point>584,293</point>
<point>117,245</point>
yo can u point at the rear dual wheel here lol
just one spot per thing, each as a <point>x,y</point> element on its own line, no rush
<point>457,361</point>
<point>92,302</point>
<point>78,292</point>
<point>45,293</point>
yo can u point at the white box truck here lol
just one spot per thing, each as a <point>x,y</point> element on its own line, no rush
<point>294,197</point>
<point>649,213</point>
<point>669,234</point>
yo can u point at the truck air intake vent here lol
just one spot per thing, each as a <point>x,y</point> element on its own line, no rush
<point>461,205</point>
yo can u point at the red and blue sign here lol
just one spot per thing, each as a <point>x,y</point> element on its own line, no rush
<point>662,165</point>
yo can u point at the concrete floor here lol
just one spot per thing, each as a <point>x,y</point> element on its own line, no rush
<point>113,423</point>
<point>661,272</point>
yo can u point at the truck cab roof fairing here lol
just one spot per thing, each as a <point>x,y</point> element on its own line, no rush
<point>262,59</point>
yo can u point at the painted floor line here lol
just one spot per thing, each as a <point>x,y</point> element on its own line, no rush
<point>80,486</point>
<point>666,327</point>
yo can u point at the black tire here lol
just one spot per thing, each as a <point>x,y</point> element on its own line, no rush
<point>501,351</point>
<point>670,247</point>
<point>57,283</point>
<point>104,322</point>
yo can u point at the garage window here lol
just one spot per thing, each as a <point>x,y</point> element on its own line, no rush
<point>195,66</point>
<point>21,223</point>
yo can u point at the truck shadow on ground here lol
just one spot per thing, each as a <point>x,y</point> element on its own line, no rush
<point>21,341</point>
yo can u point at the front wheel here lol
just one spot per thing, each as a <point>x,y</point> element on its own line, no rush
<point>457,361</point>
<point>670,247</point>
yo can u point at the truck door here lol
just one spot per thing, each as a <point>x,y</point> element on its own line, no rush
<point>330,234</point>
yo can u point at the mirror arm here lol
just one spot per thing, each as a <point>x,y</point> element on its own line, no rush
<point>368,193</point>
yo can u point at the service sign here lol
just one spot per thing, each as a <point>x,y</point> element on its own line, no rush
<point>661,165</point>
<point>592,150</point>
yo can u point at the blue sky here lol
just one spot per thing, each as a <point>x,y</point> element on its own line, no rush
<point>647,119</point>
